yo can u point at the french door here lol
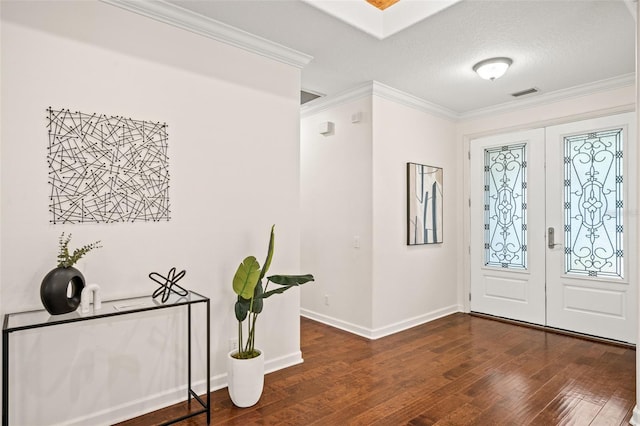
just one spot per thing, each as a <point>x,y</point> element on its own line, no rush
<point>552,238</point>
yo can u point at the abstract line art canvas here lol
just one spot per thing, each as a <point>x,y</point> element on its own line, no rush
<point>105,169</point>
<point>424,204</point>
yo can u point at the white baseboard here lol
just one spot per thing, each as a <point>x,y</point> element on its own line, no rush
<point>412,322</point>
<point>282,362</point>
<point>387,330</point>
<point>337,323</point>
<point>635,419</point>
<point>135,408</point>
<point>164,399</point>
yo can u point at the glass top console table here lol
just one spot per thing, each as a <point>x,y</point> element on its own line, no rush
<point>18,321</point>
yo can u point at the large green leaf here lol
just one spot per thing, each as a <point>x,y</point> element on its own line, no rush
<point>267,262</point>
<point>290,279</point>
<point>246,277</point>
<point>276,291</point>
<point>286,281</point>
<point>242,308</point>
<point>256,308</point>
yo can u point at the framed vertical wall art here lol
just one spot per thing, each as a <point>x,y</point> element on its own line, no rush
<point>424,204</point>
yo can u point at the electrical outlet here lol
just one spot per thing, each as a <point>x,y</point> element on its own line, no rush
<point>233,344</point>
<point>326,299</point>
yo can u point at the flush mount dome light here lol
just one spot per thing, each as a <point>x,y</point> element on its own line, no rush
<point>493,68</point>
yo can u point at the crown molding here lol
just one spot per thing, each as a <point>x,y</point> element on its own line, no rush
<point>371,88</point>
<point>374,88</point>
<point>320,104</point>
<point>182,18</point>
<point>411,101</point>
<point>559,95</point>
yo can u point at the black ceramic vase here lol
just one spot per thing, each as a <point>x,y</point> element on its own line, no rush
<point>55,289</point>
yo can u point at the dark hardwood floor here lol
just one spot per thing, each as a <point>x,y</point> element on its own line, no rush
<point>457,370</point>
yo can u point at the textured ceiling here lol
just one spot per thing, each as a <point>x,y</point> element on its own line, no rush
<point>554,45</point>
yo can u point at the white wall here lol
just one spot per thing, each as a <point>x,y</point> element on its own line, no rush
<point>336,204</point>
<point>233,122</point>
<point>411,284</point>
<point>354,186</point>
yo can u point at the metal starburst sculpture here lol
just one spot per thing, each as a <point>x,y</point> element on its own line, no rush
<point>168,284</point>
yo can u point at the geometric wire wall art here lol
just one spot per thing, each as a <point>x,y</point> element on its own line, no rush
<point>505,206</point>
<point>105,169</point>
<point>593,204</point>
<point>424,204</point>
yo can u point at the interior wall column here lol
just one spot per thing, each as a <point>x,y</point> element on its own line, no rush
<point>635,419</point>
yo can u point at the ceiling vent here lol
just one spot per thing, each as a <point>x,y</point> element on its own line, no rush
<point>525,92</point>
<point>307,97</point>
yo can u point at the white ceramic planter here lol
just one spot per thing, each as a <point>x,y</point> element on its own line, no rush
<point>245,379</point>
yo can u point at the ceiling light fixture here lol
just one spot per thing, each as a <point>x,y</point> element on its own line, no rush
<point>493,68</point>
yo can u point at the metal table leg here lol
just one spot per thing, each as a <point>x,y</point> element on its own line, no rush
<point>5,378</point>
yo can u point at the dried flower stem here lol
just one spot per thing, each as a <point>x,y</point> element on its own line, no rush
<point>64,259</point>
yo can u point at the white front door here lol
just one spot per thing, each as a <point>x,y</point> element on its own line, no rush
<point>507,230</point>
<point>550,227</point>
<point>591,268</point>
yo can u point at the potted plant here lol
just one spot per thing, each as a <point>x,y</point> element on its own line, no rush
<point>61,288</point>
<point>246,364</point>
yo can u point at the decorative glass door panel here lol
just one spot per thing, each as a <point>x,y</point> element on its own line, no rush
<point>593,204</point>
<point>505,206</point>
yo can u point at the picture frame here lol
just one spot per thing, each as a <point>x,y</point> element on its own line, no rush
<point>424,204</point>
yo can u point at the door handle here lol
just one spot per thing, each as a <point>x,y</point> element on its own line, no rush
<point>551,235</point>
